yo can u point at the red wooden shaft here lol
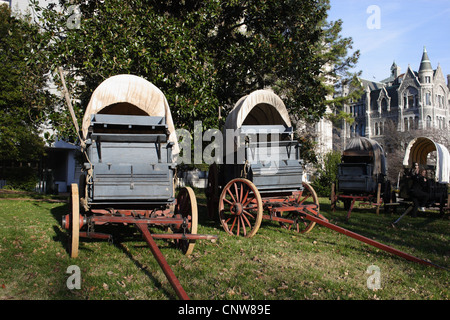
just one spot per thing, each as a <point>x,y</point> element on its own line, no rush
<point>370,241</point>
<point>176,285</point>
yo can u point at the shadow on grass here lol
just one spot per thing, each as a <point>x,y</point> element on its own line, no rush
<point>120,236</point>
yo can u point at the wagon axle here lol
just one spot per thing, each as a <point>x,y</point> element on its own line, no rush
<point>176,223</point>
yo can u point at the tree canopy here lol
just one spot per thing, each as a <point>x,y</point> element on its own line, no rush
<point>203,55</point>
<point>24,102</point>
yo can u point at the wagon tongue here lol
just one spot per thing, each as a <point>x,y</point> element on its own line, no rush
<point>370,241</point>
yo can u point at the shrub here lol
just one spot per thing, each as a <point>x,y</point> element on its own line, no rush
<point>326,173</point>
<point>21,178</point>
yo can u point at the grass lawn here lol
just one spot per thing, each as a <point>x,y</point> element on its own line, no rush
<point>276,264</point>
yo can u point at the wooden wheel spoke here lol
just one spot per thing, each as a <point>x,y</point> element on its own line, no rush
<point>245,219</point>
<point>305,198</point>
<point>234,222</point>
<point>242,192</point>
<point>244,230</point>
<point>227,201</point>
<point>236,215</point>
<point>232,197</point>
<point>236,192</point>
<point>245,198</point>
<point>249,214</point>
<point>249,200</point>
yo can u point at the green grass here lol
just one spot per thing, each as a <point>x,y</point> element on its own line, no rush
<point>276,264</point>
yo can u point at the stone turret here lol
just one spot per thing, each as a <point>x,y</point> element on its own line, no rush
<point>395,70</point>
<point>425,70</point>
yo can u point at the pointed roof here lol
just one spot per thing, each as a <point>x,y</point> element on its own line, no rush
<point>425,64</point>
<point>394,65</point>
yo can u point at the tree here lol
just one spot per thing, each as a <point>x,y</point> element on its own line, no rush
<point>327,173</point>
<point>24,102</point>
<point>203,55</point>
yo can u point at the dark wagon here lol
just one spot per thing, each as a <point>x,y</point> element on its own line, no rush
<point>261,173</point>
<point>433,157</point>
<point>129,147</point>
<point>361,176</point>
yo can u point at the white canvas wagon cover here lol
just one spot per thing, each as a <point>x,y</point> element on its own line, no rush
<point>127,94</point>
<point>418,150</point>
<point>261,107</point>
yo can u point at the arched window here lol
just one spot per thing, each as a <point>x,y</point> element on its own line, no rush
<point>428,122</point>
<point>405,123</point>
<point>384,104</point>
<point>416,122</point>
<point>410,97</point>
<point>428,99</point>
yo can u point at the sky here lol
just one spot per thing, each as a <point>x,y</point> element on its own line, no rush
<point>395,30</point>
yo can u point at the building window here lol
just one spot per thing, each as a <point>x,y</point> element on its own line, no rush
<point>384,104</point>
<point>411,101</point>
<point>427,79</point>
<point>428,122</point>
<point>428,99</point>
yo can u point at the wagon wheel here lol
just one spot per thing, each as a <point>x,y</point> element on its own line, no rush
<point>186,206</point>
<point>307,199</point>
<point>240,208</point>
<point>74,237</point>
<point>211,190</point>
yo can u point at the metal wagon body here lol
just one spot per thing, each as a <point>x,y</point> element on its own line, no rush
<point>261,175</point>
<point>433,157</point>
<point>129,147</point>
<point>361,175</point>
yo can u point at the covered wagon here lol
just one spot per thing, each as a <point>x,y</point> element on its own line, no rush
<point>433,157</point>
<point>261,175</point>
<point>361,175</point>
<point>129,148</point>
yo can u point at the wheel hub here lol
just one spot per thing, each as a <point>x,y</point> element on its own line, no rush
<point>237,208</point>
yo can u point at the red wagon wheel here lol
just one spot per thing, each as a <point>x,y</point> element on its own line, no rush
<point>186,206</point>
<point>240,208</point>
<point>309,203</point>
<point>74,236</point>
